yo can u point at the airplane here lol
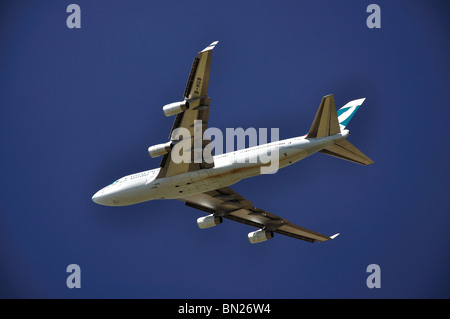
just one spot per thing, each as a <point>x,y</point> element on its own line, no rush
<point>204,184</point>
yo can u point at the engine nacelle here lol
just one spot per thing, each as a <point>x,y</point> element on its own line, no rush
<point>175,108</point>
<point>259,236</point>
<point>160,149</point>
<point>209,221</point>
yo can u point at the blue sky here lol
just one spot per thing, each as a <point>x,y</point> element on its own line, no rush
<point>79,108</point>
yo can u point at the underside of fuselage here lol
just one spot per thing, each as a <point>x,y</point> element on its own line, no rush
<point>229,168</point>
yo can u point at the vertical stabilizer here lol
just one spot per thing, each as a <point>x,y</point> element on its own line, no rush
<point>346,112</point>
<point>326,121</point>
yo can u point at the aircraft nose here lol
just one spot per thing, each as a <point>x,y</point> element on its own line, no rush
<point>97,196</point>
<point>105,198</point>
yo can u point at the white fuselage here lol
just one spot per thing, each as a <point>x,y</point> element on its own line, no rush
<point>228,169</point>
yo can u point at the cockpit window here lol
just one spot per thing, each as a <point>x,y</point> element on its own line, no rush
<point>115,182</point>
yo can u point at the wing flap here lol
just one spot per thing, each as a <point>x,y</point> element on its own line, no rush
<point>191,77</point>
<point>296,231</point>
<point>198,80</point>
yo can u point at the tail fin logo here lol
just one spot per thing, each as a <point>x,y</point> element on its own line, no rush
<point>346,112</point>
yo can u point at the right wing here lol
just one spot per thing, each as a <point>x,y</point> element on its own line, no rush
<point>198,81</point>
<point>227,203</point>
<point>196,94</point>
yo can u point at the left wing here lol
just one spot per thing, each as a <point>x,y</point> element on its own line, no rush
<point>225,202</point>
<point>196,96</point>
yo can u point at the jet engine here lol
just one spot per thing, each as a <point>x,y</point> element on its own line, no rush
<point>159,149</point>
<point>209,221</point>
<point>259,236</point>
<point>175,108</point>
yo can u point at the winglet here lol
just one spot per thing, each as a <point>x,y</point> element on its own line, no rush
<point>334,236</point>
<point>210,47</point>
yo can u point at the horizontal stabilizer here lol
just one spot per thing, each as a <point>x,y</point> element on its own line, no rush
<point>345,150</point>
